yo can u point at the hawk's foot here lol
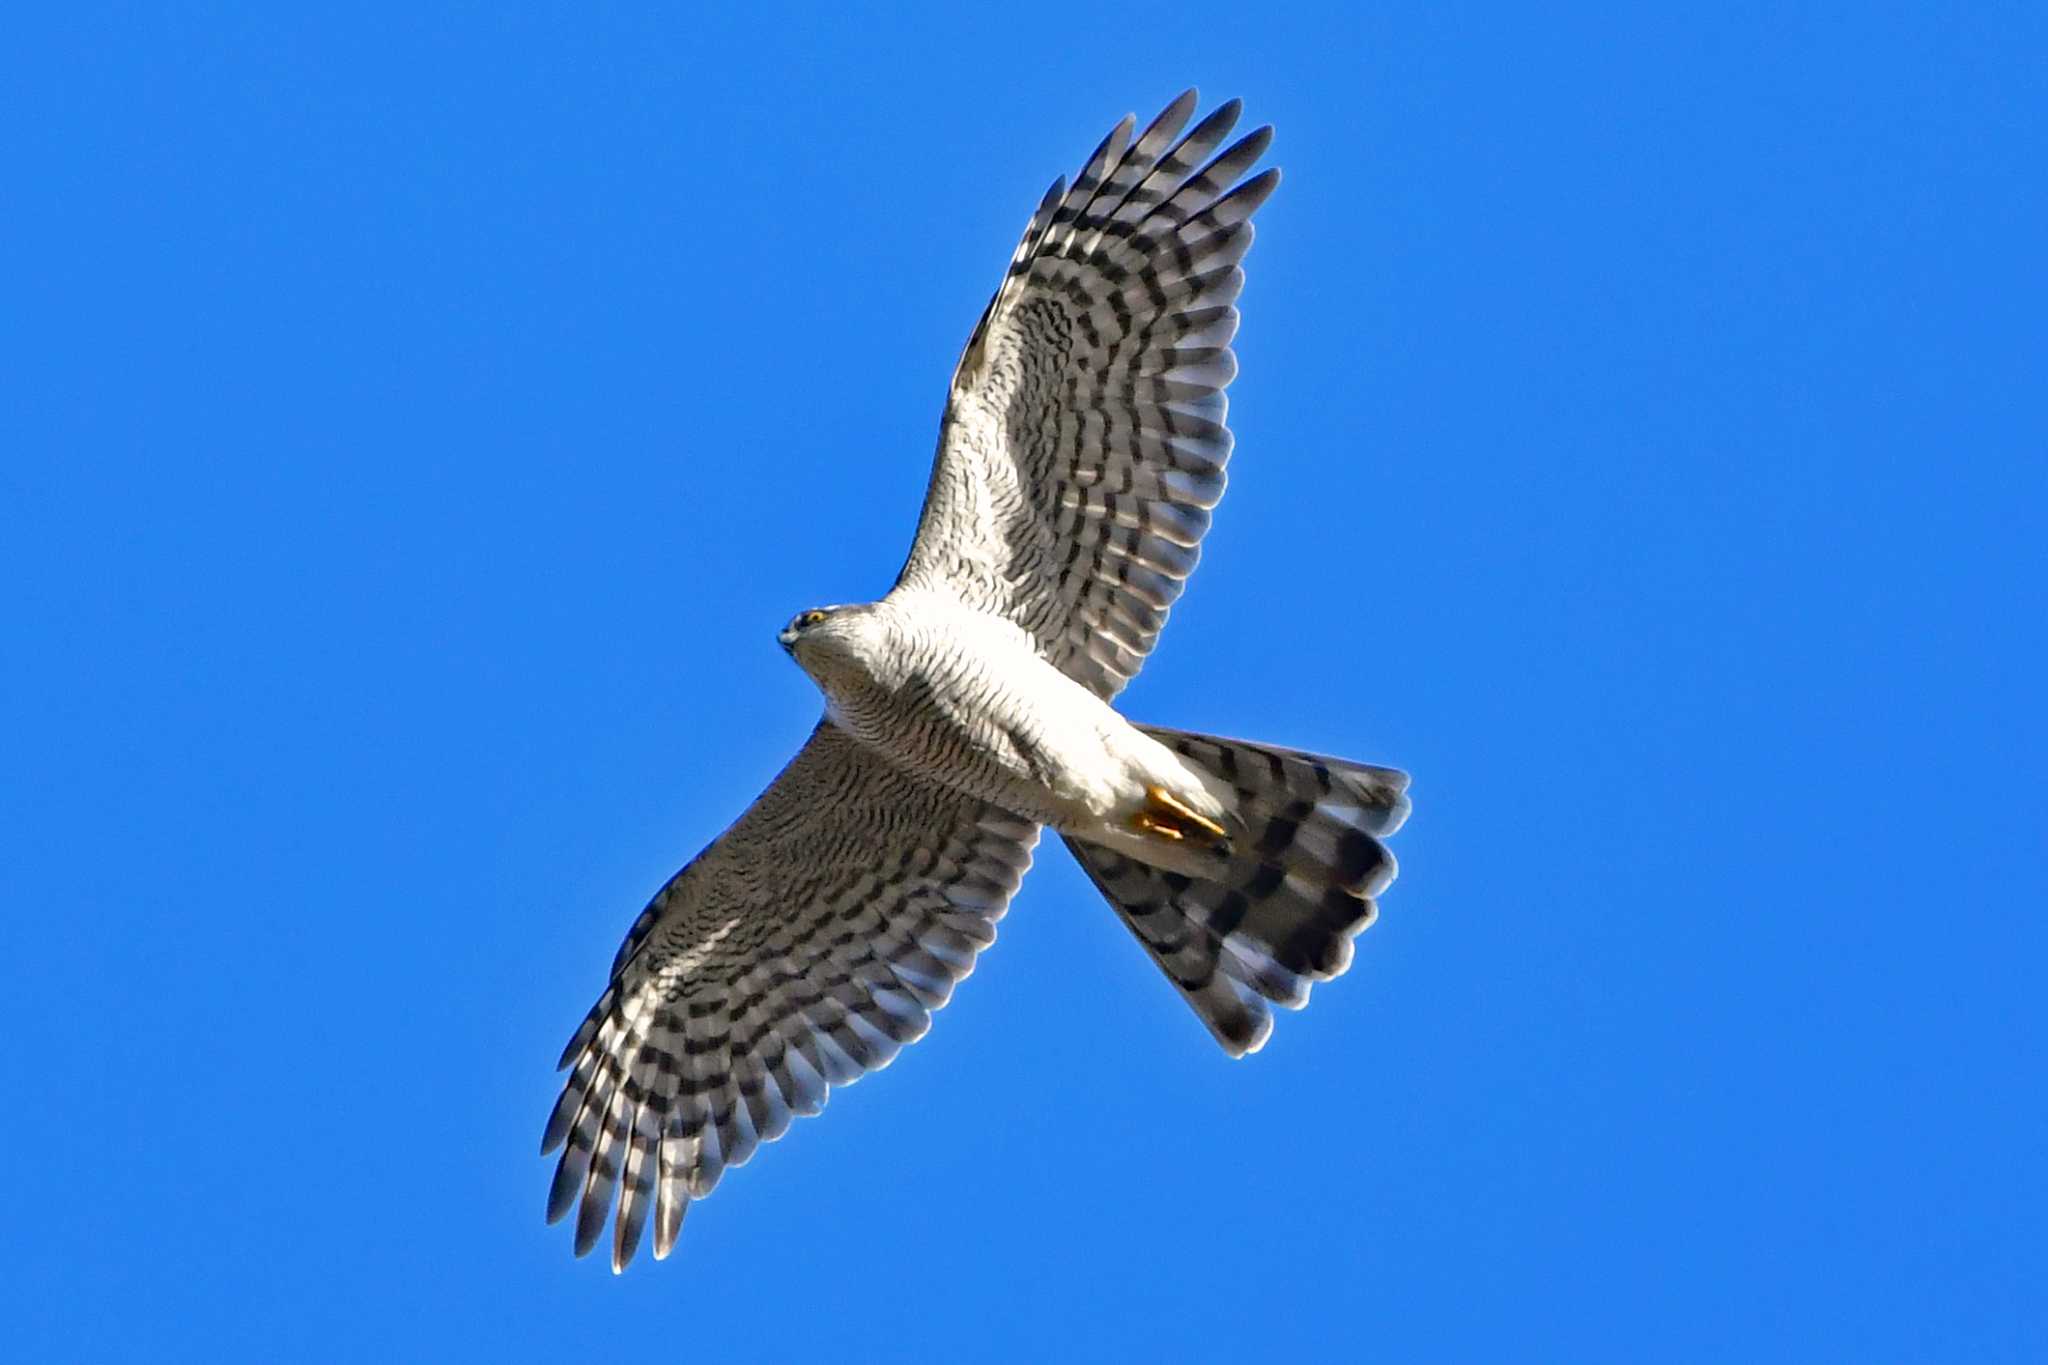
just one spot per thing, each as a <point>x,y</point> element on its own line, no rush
<point>1166,816</point>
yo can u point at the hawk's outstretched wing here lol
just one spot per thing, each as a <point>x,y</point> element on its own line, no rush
<point>1084,441</point>
<point>801,949</point>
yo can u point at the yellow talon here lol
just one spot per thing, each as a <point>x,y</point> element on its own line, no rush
<point>1166,816</point>
<point>1147,823</point>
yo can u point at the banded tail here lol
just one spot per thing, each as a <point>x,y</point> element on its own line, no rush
<point>1286,896</point>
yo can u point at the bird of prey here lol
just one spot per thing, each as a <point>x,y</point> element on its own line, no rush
<point>1080,453</point>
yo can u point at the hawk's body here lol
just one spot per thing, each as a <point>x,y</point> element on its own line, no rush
<point>963,698</point>
<point>1082,448</point>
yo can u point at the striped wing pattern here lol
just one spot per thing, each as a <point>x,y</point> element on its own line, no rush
<point>799,951</point>
<point>1084,441</point>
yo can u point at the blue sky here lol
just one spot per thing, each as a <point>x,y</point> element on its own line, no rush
<point>418,425</point>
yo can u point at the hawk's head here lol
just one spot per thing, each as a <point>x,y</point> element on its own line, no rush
<point>802,624</point>
<point>838,646</point>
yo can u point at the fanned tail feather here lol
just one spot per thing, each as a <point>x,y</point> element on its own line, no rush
<point>1285,899</point>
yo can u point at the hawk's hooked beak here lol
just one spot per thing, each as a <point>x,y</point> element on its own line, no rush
<point>787,639</point>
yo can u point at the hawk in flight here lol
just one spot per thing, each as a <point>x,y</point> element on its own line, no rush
<point>1081,451</point>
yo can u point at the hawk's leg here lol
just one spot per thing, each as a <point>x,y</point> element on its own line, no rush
<point>1166,816</point>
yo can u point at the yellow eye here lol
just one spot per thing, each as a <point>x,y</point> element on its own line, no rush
<point>810,618</point>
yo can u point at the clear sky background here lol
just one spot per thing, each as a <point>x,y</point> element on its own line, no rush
<point>415,428</point>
